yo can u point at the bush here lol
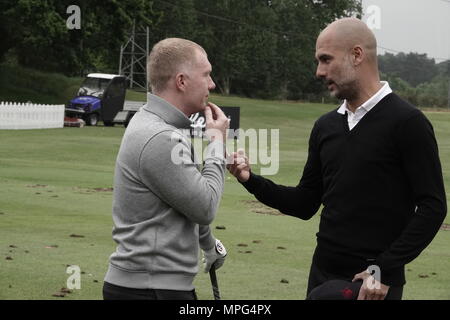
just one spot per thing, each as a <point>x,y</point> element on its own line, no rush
<point>21,84</point>
<point>434,94</point>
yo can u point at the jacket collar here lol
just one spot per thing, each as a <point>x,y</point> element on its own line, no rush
<point>169,113</point>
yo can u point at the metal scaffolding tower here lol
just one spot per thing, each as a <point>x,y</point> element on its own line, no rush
<point>133,57</point>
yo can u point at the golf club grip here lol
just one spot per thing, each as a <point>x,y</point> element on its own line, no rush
<point>215,285</point>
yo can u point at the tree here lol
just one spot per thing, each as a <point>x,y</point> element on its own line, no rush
<point>434,93</point>
<point>300,23</point>
<point>38,35</point>
<point>238,37</point>
<point>266,48</point>
<point>412,67</point>
<point>174,19</point>
<point>296,46</point>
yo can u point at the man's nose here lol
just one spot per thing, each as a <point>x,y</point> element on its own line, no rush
<point>212,85</point>
<point>320,72</point>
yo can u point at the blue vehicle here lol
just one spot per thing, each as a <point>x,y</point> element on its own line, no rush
<point>100,97</point>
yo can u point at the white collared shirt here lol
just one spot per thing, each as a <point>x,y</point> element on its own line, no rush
<point>361,111</point>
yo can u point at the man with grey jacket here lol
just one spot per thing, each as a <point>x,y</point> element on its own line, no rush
<point>163,202</point>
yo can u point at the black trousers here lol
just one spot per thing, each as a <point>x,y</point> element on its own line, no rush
<point>114,292</point>
<point>318,276</point>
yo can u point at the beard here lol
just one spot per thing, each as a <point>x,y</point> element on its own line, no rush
<point>346,90</point>
<point>347,87</point>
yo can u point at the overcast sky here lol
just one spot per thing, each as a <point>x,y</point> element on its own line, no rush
<point>421,26</point>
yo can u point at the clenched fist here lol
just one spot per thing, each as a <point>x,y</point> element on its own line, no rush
<point>239,165</point>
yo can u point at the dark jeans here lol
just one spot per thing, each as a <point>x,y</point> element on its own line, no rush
<point>113,292</point>
<point>318,277</point>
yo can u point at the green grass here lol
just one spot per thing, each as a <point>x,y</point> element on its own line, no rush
<point>48,182</point>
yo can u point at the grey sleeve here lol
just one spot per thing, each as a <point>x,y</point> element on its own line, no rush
<point>206,238</point>
<point>166,167</point>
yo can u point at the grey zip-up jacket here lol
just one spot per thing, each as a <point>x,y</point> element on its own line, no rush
<point>163,204</point>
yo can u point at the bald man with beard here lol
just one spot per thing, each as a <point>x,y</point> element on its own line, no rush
<point>373,164</point>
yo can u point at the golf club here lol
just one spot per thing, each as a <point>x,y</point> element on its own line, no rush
<point>215,285</point>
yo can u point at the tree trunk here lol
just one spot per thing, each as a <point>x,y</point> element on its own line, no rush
<point>226,85</point>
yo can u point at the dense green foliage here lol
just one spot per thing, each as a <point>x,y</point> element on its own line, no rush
<point>21,84</point>
<point>257,47</point>
<point>35,32</point>
<point>417,78</point>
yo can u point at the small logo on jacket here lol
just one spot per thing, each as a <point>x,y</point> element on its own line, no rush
<point>347,293</point>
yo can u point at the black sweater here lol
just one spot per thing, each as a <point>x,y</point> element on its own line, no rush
<point>380,184</point>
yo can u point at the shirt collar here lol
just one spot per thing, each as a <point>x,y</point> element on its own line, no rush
<point>169,113</point>
<point>372,102</point>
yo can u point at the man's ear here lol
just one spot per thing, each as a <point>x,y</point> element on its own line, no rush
<point>358,55</point>
<point>180,81</point>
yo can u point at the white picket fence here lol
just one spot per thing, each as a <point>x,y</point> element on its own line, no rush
<point>31,116</point>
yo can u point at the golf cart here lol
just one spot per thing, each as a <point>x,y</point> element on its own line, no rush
<point>100,97</point>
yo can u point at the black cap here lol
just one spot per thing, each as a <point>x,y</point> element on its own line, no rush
<point>336,290</point>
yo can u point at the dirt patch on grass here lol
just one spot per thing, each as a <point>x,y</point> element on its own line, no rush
<point>445,227</point>
<point>62,293</point>
<point>435,110</point>
<point>102,189</point>
<point>257,207</point>
<point>92,190</point>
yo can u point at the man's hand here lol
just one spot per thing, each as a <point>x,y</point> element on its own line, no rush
<point>216,123</point>
<point>215,255</point>
<point>371,289</point>
<point>239,165</point>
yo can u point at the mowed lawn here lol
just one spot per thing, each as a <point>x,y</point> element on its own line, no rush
<point>56,198</point>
